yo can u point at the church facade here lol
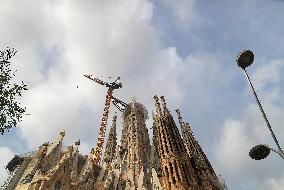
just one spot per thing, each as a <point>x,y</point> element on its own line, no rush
<point>174,160</point>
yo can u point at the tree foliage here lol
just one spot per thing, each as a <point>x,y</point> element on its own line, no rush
<point>10,110</point>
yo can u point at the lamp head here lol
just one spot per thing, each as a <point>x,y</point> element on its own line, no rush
<point>259,152</point>
<point>245,58</point>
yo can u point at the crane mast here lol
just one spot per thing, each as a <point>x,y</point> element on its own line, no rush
<point>100,142</point>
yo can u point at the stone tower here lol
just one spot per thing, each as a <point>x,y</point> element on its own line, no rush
<point>172,162</point>
<point>48,168</point>
<point>109,155</point>
<point>206,177</point>
<point>111,142</point>
<point>136,143</point>
<point>177,169</point>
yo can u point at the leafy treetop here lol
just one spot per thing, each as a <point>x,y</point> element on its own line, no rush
<point>10,110</point>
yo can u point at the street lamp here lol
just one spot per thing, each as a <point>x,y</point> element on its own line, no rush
<point>261,151</point>
<point>244,59</point>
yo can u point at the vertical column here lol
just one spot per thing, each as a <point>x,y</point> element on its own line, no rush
<point>167,177</point>
<point>180,173</point>
<point>172,128</point>
<point>176,175</point>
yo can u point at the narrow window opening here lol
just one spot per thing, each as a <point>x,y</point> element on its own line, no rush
<point>171,170</point>
<point>57,185</point>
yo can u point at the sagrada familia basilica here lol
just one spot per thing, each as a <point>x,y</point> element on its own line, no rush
<point>174,160</point>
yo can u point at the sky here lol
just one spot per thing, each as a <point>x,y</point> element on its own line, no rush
<point>183,49</point>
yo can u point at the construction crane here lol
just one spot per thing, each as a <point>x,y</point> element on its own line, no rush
<point>111,87</point>
<point>120,105</point>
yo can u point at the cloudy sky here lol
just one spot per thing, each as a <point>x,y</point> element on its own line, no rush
<point>183,49</point>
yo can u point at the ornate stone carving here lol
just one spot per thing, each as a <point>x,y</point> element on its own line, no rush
<point>171,163</point>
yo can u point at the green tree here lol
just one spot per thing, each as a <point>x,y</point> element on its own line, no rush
<point>10,110</point>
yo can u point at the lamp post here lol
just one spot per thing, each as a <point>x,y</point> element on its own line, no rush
<point>244,59</point>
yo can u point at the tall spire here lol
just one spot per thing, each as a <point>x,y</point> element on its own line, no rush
<point>177,169</point>
<point>111,142</point>
<point>108,155</point>
<point>200,162</point>
<point>180,119</point>
<point>87,169</point>
<point>155,157</point>
<point>187,135</point>
<point>157,105</point>
<point>135,140</point>
<point>164,104</point>
<point>55,148</point>
<point>197,151</point>
<point>74,173</point>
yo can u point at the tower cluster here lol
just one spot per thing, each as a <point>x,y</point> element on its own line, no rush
<point>174,160</point>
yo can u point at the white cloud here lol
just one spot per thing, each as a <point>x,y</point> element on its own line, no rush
<point>267,74</point>
<point>234,146</point>
<point>109,39</point>
<point>274,183</point>
<point>183,11</point>
<point>68,39</point>
<point>6,155</point>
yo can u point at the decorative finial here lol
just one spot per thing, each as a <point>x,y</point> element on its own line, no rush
<point>92,150</point>
<point>188,127</point>
<point>182,125</point>
<point>163,98</point>
<point>133,99</point>
<point>163,101</point>
<point>156,97</point>
<point>114,117</point>
<point>178,113</point>
<point>157,104</point>
<point>166,111</point>
<point>77,142</point>
<point>62,133</point>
